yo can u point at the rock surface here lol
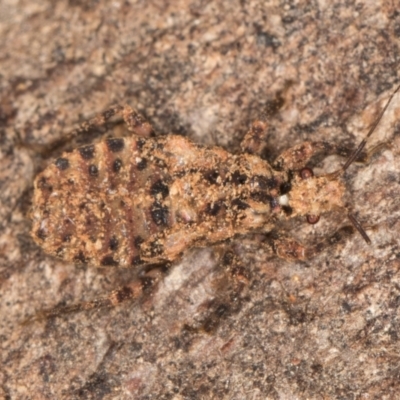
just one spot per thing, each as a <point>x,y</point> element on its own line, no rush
<point>325,328</point>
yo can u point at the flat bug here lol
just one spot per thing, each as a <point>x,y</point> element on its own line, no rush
<point>142,200</point>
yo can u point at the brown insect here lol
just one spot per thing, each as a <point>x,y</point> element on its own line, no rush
<point>143,200</point>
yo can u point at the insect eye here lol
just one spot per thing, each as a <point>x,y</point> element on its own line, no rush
<point>312,219</point>
<point>306,173</point>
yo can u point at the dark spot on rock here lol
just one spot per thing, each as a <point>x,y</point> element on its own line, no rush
<point>346,307</point>
<point>266,39</point>
<point>159,187</point>
<point>47,367</point>
<point>239,271</point>
<point>123,294</point>
<point>142,164</point>
<point>98,383</point>
<point>211,176</point>
<point>147,283</point>
<point>41,234</point>
<point>62,163</point>
<point>108,261</point>
<point>87,152</point>
<point>274,105</point>
<point>117,165</point>
<point>240,204</point>
<point>238,178</point>
<point>80,257</point>
<point>257,129</point>
<point>159,214</point>
<point>138,241</point>
<point>212,322</point>
<point>221,310</point>
<point>337,237</point>
<point>113,243</point>
<point>228,257</point>
<point>115,144</point>
<point>93,170</point>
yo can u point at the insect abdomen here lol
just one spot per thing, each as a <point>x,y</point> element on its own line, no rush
<point>126,201</point>
<point>99,203</point>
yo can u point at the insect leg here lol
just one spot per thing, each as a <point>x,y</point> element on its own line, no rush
<point>136,123</point>
<point>290,249</point>
<point>254,142</point>
<point>298,156</point>
<point>131,291</point>
<point>371,152</point>
<point>230,282</point>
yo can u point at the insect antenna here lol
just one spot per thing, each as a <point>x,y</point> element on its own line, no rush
<point>354,155</point>
<point>361,146</point>
<point>359,227</point>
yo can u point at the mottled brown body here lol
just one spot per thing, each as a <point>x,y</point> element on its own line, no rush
<point>136,200</point>
<point>129,201</point>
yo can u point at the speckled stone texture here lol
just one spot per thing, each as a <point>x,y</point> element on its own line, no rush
<point>325,328</point>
